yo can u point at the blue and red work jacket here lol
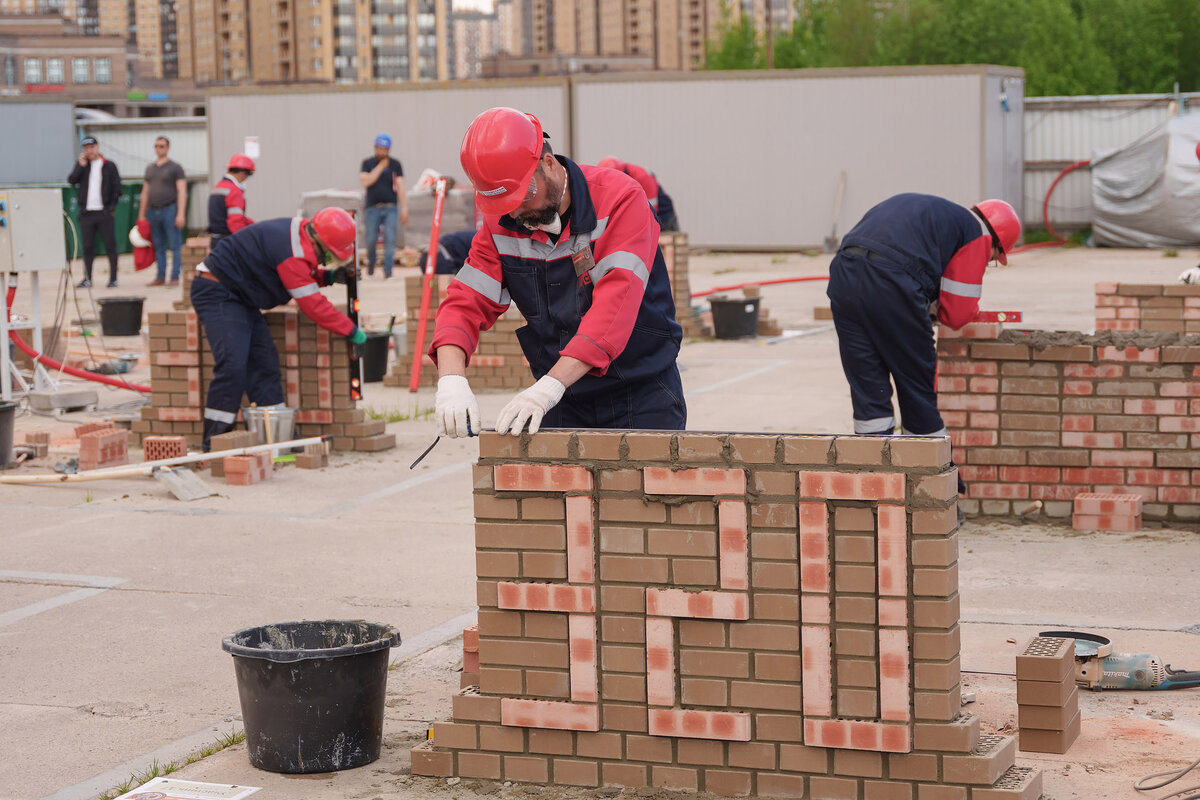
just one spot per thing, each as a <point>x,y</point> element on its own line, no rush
<point>943,245</point>
<point>272,262</point>
<point>599,293</point>
<point>227,207</point>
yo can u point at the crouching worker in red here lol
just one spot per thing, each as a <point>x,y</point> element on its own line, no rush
<point>576,248</point>
<point>260,267</point>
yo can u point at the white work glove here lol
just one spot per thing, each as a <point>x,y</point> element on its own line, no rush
<point>456,409</point>
<point>1190,275</point>
<point>530,406</point>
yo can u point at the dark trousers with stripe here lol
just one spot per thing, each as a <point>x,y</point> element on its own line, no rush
<point>885,337</point>
<point>650,404</point>
<point>244,356</point>
<point>91,225</point>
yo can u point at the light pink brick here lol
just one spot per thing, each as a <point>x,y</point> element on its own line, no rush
<point>1099,503</point>
<point>816,670</point>
<point>701,481</point>
<point>541,478</point>
<point>660,662</point>
<point>698,605</point>
<point>814,547</point>
<point>857,735</point>
<point>549,714</point>
<point>546,597</point>
<point>1106,522</point>
<point>893,612</point>
<point>1145,406</point>
<point>893,551</point>
<point>894,676</point>
<point>581,630</point>
<point>1148,356</point>
<point>731,521</point>
<point>853,486</point>
<point>720,725</point>
<point>581,558</point>
<point>814,609</point>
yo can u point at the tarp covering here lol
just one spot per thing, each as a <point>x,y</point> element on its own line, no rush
<point>1147,193</point>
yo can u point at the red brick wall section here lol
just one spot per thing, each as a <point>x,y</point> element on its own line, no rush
<point>316,381</point>
<point>739,614</point>
<point>498,363</point>
<point>1171,308</point>
<point>1048,415</point>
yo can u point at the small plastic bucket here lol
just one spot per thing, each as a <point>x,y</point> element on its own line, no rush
<point>312,693</point>
<point>121,316</point>
<point>734,318</point>
<point>8,416</point>
<point>270,425</point>
<point>375,356</point>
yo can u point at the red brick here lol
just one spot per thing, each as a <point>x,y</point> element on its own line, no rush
<point>542,478</point>
<point>1092,440</point>
<point>701,481</point>
<point>852,486</point>
<point>1127,354</point>
<point>1093,522</point>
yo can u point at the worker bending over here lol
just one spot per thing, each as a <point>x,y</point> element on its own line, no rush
<point>913,257</point>
<point>260,267</point>
<point>576,248</point>
<point>227,201</point>
<point>660,201</point>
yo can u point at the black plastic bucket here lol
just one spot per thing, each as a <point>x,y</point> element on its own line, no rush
<point>375,356</point>
<point>312,693</point>
<point>121,316</point>
<point>8,416</point>
<point>734,319</point>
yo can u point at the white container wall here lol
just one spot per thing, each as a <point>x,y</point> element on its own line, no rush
<point>39,142</point>
<point>1060,131</point>
<point>752,159</point>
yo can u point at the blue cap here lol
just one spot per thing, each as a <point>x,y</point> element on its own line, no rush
<point>383,140</point>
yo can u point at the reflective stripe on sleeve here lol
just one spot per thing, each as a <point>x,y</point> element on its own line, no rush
<point>622,259</point>
<point>483,284</point>
<point>304,291</point>
<point>221,190</point>
<point>297,247</point>
<point>235,210</point>
<point>939,432</point>
<point>877,425</point>
<point>217,415</point>
<point>951,286</point>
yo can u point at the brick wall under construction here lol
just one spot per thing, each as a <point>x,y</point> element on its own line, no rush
<point>771,615</point>
<point>315,367</point>
<point>1173,308</point>
<point>498,362</point>
<point>1047,415</point>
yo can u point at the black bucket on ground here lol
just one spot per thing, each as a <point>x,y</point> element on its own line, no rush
<point>375,356</point>
<point>8,416</point>
<point>312,693</point>
<point>121,316</point>
<point>734,319</point>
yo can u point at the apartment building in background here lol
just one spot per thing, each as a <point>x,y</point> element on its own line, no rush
<point>45,54</point>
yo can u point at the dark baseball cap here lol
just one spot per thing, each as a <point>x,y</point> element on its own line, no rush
<point>89,140</point>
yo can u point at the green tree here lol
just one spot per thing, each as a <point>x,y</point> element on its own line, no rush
<point>852,29</point>
<point>1060,54</point>
<point>736,45</point>
<point>1141,39</point>
<point>805,44</point>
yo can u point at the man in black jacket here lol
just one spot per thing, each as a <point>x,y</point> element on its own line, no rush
<point>98,188</point>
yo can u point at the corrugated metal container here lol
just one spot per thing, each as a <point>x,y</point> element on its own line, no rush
<point>752,159</point>
<point>1062,130</point>
<point>48,154</point>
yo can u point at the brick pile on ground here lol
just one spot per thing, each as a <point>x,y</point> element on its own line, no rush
<point>194,251</point>
<point>157,448</point>
<point>1107,512</point>
<point>1047,697</point>
<point>38,442</point>
<point>1148,307</point>
<point>105,447</point>
<point>315,456</point>
<point>233,440</point>
<point>249,469</point>
<point>315,367</point>
<point>498,362</point>
<point>738,614</point>
<point>470,668</point>
<point>1048,415</point>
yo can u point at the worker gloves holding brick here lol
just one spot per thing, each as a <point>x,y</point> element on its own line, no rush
<point>530,406</point>
<point>1190,275</point>
<point>456,408</point>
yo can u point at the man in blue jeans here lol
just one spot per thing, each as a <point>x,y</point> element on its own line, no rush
<point>383,178</point>
<point>164,204</point>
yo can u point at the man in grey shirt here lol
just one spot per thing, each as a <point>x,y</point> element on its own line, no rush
<point>164,204</point>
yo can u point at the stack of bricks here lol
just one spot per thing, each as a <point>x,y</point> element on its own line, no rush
<point>497,362</point>
<point>1047,698</point>
<point>766,325</point>
<point>1171,308</point>
<point>194,251</point>
<point>233,440</point>
<point>39,443</point>
<point>315,456</point>
<point>741,614</point>
<point>101,445</point>
<point>1107,512</point>
<point>470,662</point>
<point>674,248</point>
<point>157,448</point>
<point>1049,415</point>
<point>248,469</point>
<point>314,363</point>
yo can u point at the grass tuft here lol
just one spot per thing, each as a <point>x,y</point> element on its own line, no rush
<point>157,770</point>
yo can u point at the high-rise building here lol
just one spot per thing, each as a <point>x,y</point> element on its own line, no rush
<point>476,36</point>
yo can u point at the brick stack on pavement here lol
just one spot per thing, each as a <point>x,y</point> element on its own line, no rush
<point>38,442</point>
<point>194,251</point>
<point>1047,698</point>
<point>157,448</point>
<point>106,447</point>
<point>1148,307</point>
<point>315,456</point>
<point>675,254</point>
<point>248,469</point>
<point>1107,512</point>
<point>470,668</point>
<point>233,440</point>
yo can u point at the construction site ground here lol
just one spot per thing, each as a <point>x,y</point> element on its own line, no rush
<point>114,596</point>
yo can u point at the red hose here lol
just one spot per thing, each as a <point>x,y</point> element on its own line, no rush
<point>734,286</point>
<point>50,362</point>
<point>1058,239</point>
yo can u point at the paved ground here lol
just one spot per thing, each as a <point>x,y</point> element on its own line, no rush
<point>114,596</point>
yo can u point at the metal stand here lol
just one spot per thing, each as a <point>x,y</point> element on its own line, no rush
<point>10,374</point>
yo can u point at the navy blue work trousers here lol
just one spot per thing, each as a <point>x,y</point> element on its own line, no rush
<point>654,403</point>
<point>246,361</point>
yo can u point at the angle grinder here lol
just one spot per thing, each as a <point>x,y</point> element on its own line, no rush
<point>1098,668</point>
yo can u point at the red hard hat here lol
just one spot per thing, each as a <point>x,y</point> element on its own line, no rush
<point>611,162</point>
<point>1004,222</point>
<point>499,153</point>
<point>1198,151</point>
<point>241,161</point>
<point>335,228</point>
